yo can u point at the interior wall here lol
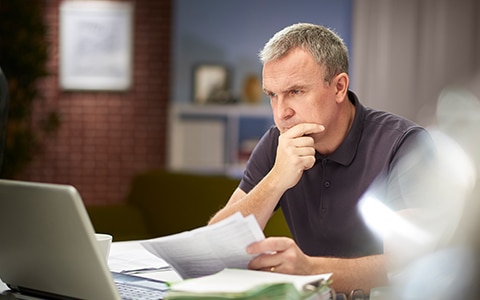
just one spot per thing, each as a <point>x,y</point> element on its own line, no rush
<point>107,137</point>
<point>233,32</point>
<point>403,53</point>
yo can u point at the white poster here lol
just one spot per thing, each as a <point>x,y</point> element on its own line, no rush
<point>96,45</point>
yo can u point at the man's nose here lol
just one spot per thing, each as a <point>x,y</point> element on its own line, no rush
<point>284,111</point>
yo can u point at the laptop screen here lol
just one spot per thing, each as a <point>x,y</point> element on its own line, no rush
<point>48,243</point>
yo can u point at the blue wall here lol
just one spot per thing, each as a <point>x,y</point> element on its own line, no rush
<point>232,33</point>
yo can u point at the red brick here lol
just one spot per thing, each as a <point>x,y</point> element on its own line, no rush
<point>107,137</point>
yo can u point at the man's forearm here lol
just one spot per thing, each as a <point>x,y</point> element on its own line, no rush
<point>260,201</point>
<point>349,274</point>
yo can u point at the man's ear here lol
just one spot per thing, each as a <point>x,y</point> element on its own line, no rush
<point>341,82</point>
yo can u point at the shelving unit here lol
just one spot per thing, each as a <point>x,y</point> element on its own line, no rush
<point>215,138</point>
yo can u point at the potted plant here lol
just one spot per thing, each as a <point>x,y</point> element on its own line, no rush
<point>23,58</point>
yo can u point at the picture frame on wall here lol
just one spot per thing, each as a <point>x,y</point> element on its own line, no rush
<point>211,84</point>
<point>96,45</point>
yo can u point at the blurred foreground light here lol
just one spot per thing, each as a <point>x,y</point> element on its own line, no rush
<point>442,275</point>
<point>385,222</point>
<point>433,250</point>
<point>434,190</point>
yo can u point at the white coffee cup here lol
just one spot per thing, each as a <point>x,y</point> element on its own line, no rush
<point>104,241</point>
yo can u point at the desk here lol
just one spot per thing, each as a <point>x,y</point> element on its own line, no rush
<point>122,254</point>
<point>129,255</point>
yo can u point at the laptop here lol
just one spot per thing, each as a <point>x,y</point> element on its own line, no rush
<point>48,247</point>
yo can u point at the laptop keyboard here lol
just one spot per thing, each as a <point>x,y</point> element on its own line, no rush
<point>132,287</point>
<point>130,292</point>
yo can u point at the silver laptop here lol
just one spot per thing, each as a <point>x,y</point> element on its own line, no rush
<point>48,246</point>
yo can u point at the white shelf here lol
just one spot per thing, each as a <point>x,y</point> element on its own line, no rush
<point>228,110</point>
<point>198,133</point>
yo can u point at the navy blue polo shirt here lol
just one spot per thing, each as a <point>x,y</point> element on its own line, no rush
<point>321,209</point>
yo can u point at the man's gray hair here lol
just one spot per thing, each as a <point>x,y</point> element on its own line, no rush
<point>326,47</point>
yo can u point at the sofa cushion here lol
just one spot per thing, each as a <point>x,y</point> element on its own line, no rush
<point>160,203</point>
<point>123,221</point>
<point>173,202</point>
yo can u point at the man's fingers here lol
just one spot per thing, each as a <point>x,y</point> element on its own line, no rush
<point>305,151</point>
<point>269,245</point>
<point>304,129</point>
<point>308,162</point>
<point>304,141</point>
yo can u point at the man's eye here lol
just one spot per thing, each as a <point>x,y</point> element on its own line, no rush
<point>295,92</point>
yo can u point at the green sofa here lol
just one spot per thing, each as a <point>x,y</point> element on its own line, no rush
<point>162,202</point>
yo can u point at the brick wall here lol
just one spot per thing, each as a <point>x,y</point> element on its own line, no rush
<point>106,137</point>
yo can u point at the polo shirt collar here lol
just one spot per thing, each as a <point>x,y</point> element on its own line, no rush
<point>348,148</point>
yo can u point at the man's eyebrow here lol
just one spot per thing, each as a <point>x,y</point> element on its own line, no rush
<point>293,87</point>
<point>296,87</point>
<point>267,91</point>
<point>287,90</point>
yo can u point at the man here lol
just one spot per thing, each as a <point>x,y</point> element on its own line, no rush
<point>323,153</point>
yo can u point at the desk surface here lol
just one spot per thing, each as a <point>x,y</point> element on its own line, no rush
<point>128,255</point>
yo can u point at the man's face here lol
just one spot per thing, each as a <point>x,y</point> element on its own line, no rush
<point>298,92</point>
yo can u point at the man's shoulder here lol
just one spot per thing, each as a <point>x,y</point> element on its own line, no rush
<point>387,121</point>
<point>383,121</point>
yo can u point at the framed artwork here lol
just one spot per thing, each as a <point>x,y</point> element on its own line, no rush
<point>211,84</point>
<point>96,45</point>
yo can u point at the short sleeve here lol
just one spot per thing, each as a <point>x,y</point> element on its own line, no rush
<point>261,160</point>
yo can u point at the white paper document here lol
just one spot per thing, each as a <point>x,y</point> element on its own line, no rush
<point>130,257</point>
<point>209,249</point>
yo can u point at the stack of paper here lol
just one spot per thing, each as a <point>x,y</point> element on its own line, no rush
<point>248,284</point>
<point>209,249</point>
